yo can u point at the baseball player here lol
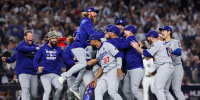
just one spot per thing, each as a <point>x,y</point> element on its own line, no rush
<point>24,65</point>
<point>175,49</point>
<point>106,77</point>
<point>135,69</point>
<point>113,38</point>
<point>148,80</point>
<point>163,63</point>
<point>70,56</point>
<point>78,48</point>
<point>48,63</point>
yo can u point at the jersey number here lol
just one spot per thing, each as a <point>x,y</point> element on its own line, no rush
<point>168,52</point>
<point>106,60</point>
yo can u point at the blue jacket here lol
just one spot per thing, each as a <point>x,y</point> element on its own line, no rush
<point>50,59</point>
<point>133,59</point>
<point>84,31</point>
<point>24,55</point>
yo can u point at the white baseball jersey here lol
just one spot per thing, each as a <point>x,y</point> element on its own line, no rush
<point>160,53</point>
<point>173,45</point>
<point>90,53</point>
<point>148,66</point>
<point>106,56</point>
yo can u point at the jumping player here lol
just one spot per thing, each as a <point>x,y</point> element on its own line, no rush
<point>78,48</point>
<point>163,63</point>
<point>175,49</point>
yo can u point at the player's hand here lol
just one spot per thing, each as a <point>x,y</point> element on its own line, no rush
<point>37,48</point>
<point>120,74</point>
<point>134,44</point>
<point>150,74</point>
<point>93,83</point>
<point>4,59</point>
<point>140,44</point>
<point>170,50</point>
<point>40,69</point>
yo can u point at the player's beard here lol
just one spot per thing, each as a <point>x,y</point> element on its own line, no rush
<point>94,47</point>
<point>53,44</point>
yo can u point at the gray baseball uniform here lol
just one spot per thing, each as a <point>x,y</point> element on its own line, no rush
<point>165,69</point>
<point>85,75</point>
<point>109,80</point>
<point>178,72</point>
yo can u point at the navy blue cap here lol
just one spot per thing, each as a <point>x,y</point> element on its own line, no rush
<point>95,37</point>
<point>90,9</point>
<point>122,22</point>
<point>152,34</point>
<point>113,28</point>
<point>75,33</point>
<point>130,28</point>
<point>166,28</point>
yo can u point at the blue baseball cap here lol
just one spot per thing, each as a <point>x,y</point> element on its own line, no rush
<point>152,34</point>
<point>130,28</point>
<point>113,28</point>
<point>90,9</point>
<point>166,28</point>
<point>122,22</point>
<point>95,37</point>
<point>75,33</point>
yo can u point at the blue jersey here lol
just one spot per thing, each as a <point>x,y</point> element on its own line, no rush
<point>24,55</point>
<point>116,42</point>
<point>133,59</point>
<point>83,33</point>
<point>50,59</point>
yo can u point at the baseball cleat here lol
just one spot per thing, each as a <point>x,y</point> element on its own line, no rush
<point>61,80</point>
<point>75,93</point>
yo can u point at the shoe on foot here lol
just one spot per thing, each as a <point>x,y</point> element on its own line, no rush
<point>75,93</point>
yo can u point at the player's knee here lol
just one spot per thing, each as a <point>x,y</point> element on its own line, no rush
<point>83,63</point>
<point>112,92</point>
<point>47,91</point>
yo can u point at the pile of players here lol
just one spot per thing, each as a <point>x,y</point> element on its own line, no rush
<point>101,63</point>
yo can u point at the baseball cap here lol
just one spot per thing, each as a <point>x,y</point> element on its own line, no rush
<point>95,37</point>
<point>166,28</point>
<point>130,28</point>
<point>122,22</point>
<point>152,34</point>
<point>90,9</point>
<point>52,34</point>
<point>113,28</point>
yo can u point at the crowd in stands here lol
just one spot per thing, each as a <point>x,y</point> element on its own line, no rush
<point>17,16</point>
